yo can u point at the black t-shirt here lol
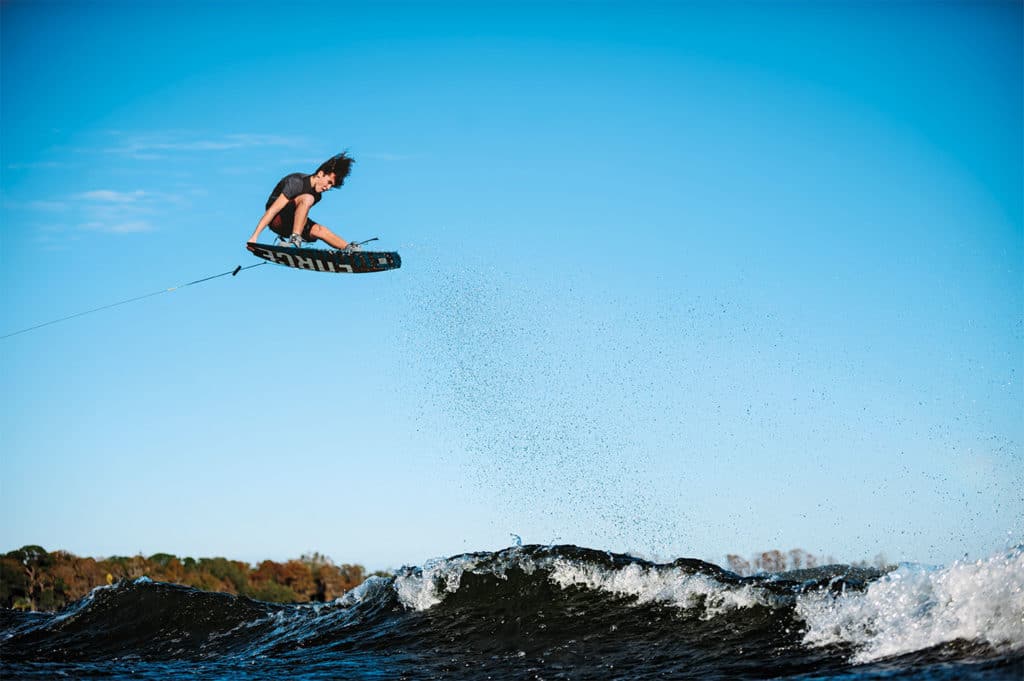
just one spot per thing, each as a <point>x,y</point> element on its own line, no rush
<point>293,185</point>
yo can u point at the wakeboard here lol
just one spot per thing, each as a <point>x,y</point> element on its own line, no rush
<point>324,260</point>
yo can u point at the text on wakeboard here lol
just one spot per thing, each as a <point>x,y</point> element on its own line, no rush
<point>307,263</point>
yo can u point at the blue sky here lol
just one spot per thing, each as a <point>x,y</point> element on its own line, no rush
<point>678,278</point>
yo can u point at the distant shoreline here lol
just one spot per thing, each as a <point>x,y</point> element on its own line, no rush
<point>32,578</point>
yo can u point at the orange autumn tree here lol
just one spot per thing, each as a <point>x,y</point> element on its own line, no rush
<point>32,578</point>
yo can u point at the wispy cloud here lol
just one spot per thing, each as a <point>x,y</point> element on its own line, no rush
<point>37,165</point>
<point>158,145</point>
<point>120,227</point>
<point>112,211</point>
<point>48,206</point>
<point>111,196</point>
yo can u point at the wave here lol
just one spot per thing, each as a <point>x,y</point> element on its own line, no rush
<point>917,607</point>
<point>558,611</point>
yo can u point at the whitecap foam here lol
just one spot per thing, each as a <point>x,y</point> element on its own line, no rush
<point>916,607</point>
<point>427,586</point>
<point>657,584</point>
<point>423,588</point>
<point>370,589</point>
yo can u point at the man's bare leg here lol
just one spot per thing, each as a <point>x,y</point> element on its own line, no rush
<point>327,236</point>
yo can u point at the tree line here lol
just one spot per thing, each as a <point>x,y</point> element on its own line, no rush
<point>794,559</point>
<point>32,578</point>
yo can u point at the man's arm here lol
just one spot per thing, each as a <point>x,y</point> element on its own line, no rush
<point>271,213</point>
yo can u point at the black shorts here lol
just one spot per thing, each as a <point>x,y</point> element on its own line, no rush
<point>284,222</point>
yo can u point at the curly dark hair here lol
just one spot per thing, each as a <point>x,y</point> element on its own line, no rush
<point>340,165</point>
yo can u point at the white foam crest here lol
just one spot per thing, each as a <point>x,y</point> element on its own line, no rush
<point>426,587</point>
<point>368,590</point>
<point>670,585</point>
<point>916,607</point>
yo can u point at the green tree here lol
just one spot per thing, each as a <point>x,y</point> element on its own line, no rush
<point>14,582</point>
<point>162,559</point>
<point>231,571</point>
<point>34,560</point>
<point>275,593</point>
